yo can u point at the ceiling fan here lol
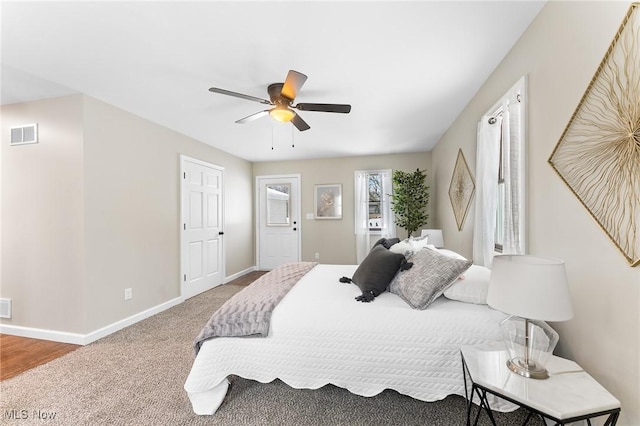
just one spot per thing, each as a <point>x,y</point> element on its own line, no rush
<point>281,97</point>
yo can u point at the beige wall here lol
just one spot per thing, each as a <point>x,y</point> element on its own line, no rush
<point>560,53</point>
<point>132,211</point>
<point>335,239</point>
<point>42,217</point>
<point>94,208</point>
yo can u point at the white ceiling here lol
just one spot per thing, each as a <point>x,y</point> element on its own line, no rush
<point>407,68</point>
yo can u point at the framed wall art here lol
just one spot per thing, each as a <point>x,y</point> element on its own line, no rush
<point>328,201</point>
<point>461,189</point>
<point>598,154</point>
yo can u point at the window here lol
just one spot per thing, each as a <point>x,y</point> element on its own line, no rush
<point>500,221</point>
<point>278,208</point>
<point>373,215</point>
<point>375,202</point>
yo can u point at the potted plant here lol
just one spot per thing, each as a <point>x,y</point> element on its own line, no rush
<point>410,199</point>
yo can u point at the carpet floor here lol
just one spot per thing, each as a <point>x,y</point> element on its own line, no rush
<point>136,376</point>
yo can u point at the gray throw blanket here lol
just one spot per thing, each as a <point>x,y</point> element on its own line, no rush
<point>248,312</point>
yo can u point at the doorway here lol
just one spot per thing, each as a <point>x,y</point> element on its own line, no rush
<point>202,224</point>
<point>278,236</point>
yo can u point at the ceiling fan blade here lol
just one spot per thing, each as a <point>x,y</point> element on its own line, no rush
<point>292,84</point>
<point>300,123</point>
<point>341,108</point>
<point>252,117</point>
<point>239,95</point>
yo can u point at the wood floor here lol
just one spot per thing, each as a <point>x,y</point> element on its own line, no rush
<point>19,354</point>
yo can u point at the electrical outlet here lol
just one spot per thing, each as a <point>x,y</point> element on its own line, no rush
<point>317,255</point>
<point>128,293</point>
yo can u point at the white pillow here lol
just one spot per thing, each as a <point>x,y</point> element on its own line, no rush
<point>402,247</point>
<point>418,243</point>
<point>409,246</point>
<point>449,253</point>
<point>472,287</point>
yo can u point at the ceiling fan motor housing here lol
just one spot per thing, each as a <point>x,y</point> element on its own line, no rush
<point>276,96</point>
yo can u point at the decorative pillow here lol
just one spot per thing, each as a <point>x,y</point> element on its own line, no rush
<point>418,243</point>
<point>386,242</point>
<point>377,270</point>
<point>403,247</point>
<point>409,246</point>
<point>430,275</point>
<point>391,241</point>
<point>449,253</point>
<point>472,288</point>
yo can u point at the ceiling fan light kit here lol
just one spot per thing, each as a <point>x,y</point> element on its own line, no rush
<point>281,97</point>
<point>281,113</point>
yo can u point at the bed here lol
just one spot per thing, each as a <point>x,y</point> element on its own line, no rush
<point>318,335</point>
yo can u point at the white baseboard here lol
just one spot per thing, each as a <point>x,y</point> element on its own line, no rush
<point>39,333</point>
<point>119,325</point>
<point>85,339</point>
<point>239,274</point>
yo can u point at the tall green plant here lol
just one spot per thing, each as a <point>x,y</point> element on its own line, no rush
<point>410,199</point>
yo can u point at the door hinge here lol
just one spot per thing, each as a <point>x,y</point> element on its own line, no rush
<point>185,277</point>
<point>184,226</point>
<point>184,175</point>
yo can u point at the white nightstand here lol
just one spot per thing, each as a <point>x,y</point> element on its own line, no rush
<point>569,394</point>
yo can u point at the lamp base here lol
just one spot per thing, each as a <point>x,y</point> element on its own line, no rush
<point>529,343</point>
<point>531,370</point>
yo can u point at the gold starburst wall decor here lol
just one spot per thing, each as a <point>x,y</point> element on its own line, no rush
<point>598,155</point>
<point>461,189</point>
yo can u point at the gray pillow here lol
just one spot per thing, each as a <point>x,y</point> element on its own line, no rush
<point>432,273</point>
<point>377,270</point>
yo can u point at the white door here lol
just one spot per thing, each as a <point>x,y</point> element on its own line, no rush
<point>278,220</point>
<point>202,251</point>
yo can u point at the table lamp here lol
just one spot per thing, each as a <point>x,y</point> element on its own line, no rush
<point>434,237</point>
<point>532,290</point>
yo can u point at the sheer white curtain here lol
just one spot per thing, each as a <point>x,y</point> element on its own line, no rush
<point>363,241</point>
<point>388,228</point>
<point>507,121</point>
<point>513,176</point>
<point>388,218</point>
<point>487,161</point>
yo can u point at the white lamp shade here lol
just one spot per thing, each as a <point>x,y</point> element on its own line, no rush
<point>434,237</point>
<point>530,287</point>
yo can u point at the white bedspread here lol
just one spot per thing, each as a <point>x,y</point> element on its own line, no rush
<point>320,335</point>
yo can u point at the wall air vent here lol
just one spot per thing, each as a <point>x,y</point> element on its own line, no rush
<point>5,308</point>
<point>22,135</point>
